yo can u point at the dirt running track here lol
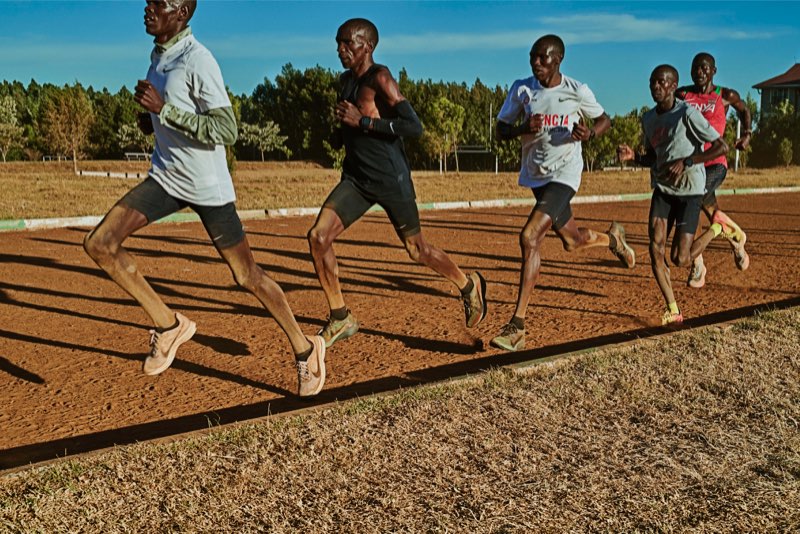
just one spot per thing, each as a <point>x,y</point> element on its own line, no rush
<point>73,342</point>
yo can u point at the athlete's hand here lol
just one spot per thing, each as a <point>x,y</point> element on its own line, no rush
<point>347,113</point>
<point>147,97</point>
<point>625,153</point>
<point>536,123</point>
<point>675,170</point>
<point>743,142</point>
<point>145,122</point>
<point>581,132</point>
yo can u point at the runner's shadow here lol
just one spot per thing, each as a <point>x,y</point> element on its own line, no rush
<point>223,345</point>
<point>8,367</point>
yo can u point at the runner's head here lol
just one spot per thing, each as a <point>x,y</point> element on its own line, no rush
<point>663,82</point>
<point>356,39</point>
<point>163,19</point>
<point>703,69</point>
<point>546,56</point>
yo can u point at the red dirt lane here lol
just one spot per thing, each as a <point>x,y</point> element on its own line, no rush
<point>73,342</point>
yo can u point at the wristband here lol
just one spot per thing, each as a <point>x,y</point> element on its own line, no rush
<point>365,123</point>
<point>688,162</point>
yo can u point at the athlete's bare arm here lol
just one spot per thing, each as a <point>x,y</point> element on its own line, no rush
<point>388,110</point>
<point>732,98</point>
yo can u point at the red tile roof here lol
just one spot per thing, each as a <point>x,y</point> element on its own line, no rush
<point>791,76</point>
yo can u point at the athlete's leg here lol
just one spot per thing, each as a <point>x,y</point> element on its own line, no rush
<point>345,205</point>
<point>405,218</point>
<point>530,242</point>
<point>104,246</point>
<point>577,238</point>
<point>426,254</point>
<point>320,239</point>
<point>658,259</point>
<point>253,278</point>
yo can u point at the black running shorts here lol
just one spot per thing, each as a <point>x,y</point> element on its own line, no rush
<point>221,222</point>
<point>350,203</point>
<point>715,175</point>
<point>684,211</point>
<point>553,199</point>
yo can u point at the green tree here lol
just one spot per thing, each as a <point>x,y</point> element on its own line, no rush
<point>781,123</point>
<point>129,135</point>
<point>785,152</point>
<point>68,118</point>
<point>443,132</point>
<point>266,138</point>
<point>11,134</point>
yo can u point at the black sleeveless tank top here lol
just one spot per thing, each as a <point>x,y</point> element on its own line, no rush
<point>376,162</point>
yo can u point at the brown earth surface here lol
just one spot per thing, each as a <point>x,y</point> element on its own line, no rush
<point>73,342</point>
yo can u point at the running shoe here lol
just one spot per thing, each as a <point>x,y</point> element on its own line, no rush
<point>622,251</point>
<point>164,345</point>
<point>671,318</point>
<point>511,338</point>
<point>735,236</point>
<point>697,274</point>
<point>335,330</point>
<point>311,372</point>
<point>475,303</point>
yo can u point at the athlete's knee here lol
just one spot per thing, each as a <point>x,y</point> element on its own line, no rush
<point>682,259</point>
<point>319,238</point>
<point>529,239</point>
<point>100,245</point>
<point>247,275</point>
<point>417,251</point>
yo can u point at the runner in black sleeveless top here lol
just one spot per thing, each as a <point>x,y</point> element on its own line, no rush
<point>374,119</point>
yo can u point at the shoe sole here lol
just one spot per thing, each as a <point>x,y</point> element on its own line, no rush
<point>619,235</point>
<point>319,345</point>
<point>699,283</point>
<point>745,263</point>
<point>485,307</point>
<point>173,350</point>
<point>344,334</point>
<point>504,346</point>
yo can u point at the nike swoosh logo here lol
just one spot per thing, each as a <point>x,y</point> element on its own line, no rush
<point>316,374</point>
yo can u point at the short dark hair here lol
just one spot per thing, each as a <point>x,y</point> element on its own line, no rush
<point>552,40</point>
<point>669,68</point>
<point>706,56</point>
<point>369,29</point>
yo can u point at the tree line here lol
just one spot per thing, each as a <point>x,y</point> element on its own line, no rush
<point>291,117</point>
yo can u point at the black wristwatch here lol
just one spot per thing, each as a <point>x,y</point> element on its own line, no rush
<point>688,162</point>
<point>365,123</point>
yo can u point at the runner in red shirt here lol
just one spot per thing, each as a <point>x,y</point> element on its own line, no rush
<point>713,102</point>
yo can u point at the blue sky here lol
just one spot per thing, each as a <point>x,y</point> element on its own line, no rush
<point>612,46</point>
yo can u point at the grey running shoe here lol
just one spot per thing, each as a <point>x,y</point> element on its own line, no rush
<point>622,251</point>
<point>164,345</point>
<point>311,372</point>
<point>697,274</point>
<point>475,303</point>
<point>511,338</point>
<point>335,330</point>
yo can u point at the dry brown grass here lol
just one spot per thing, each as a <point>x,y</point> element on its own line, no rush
<point>697,431</point>
<point>38,190</point>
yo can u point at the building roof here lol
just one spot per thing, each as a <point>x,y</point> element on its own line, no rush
<point>790,77</point>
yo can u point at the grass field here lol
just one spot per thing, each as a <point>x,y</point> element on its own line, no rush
<point>693,432</point>
<point>41,190</point>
